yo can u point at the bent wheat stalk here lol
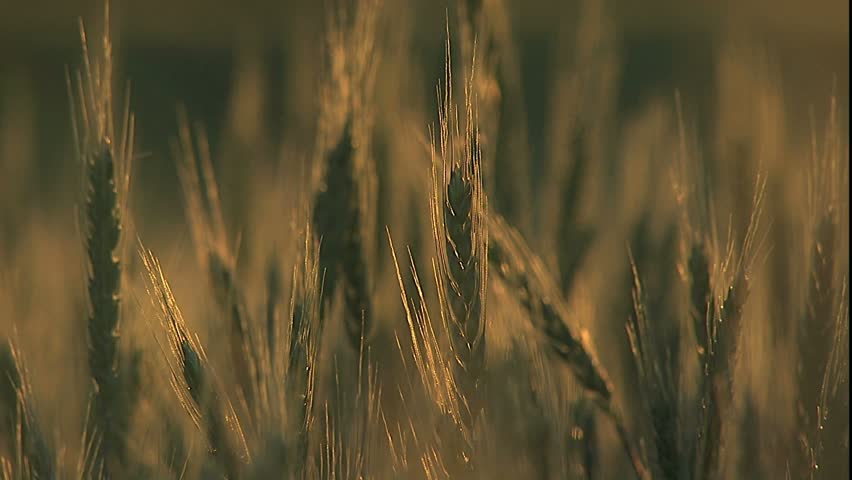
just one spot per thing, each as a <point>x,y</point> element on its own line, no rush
<point>518,267</point>
<point>191,378</point>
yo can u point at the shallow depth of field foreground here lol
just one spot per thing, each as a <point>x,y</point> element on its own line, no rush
<point>377,239</point>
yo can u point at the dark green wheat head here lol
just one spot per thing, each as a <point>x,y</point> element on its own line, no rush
<point>459,225</point>
<point>337,219</point>
<point>106,156</point>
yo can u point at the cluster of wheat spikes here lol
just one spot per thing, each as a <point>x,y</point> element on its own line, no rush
<point>413,393</point>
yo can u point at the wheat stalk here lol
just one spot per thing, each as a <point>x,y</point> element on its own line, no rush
<point>655,358</point>
<point>821,322</point>
<point>207,228</point>
<point>20,425</point>
<point>515,264</point>
<point>301,358</point>
<point>717,321</point>
<point>107,164</point>
<point>458,207</point>
<point>191,377</point>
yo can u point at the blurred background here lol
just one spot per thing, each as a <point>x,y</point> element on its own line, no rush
<point>189,51</point>
<point>754,79</point>
<point>250,71</point>
<point>193,51</point>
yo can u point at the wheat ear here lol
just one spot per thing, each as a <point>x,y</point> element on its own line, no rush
<point>192,378</point>
<point>19,423</point>
<point>337,220</point>
<point>207,227</point>
<point>458,209</point>
<point>515,264</point>
<point>107,166</point>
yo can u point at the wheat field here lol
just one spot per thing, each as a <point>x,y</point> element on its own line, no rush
<point>430,266</point>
